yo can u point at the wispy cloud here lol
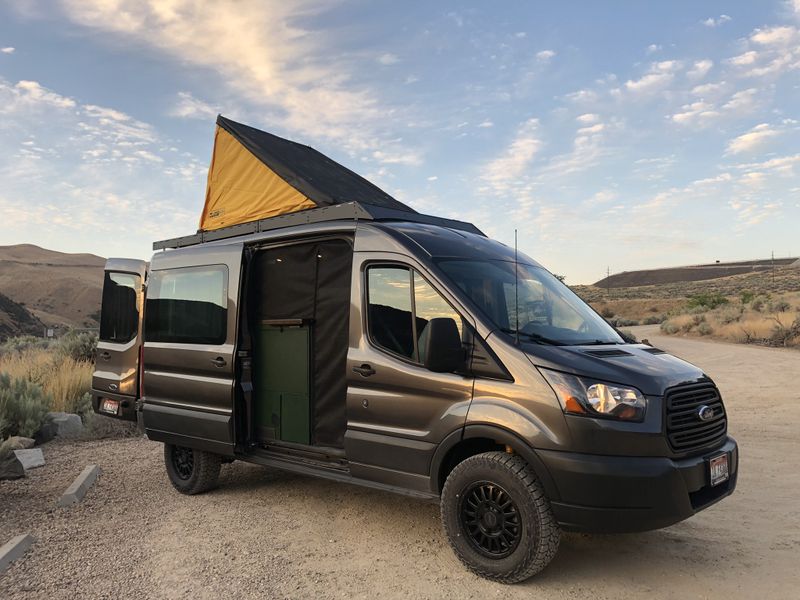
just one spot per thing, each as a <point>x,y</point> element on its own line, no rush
<point>545,55</point>
<point>700,69</point>
<point>500,173</point>
<point>755,138</point>
<point>716,22</point>
<point>262,52</point>
<point>189,107</point>
<point>659,75</point>
<point>8,50</point>
<point>388,59</point>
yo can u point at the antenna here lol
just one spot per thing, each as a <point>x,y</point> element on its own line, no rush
<point>516,288</point>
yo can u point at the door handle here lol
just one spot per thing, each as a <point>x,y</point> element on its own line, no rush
<point>364,370</point>
<point>219,362</point>
<point>105,355</point>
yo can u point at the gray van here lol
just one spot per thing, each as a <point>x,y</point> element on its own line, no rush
<point>411,354</point>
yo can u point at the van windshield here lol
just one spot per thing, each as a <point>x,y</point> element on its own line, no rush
<point>541,308</point>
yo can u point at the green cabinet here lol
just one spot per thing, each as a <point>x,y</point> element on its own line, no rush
<point>282,407</point>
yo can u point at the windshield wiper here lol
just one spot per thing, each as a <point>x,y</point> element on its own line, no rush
<point>597,343</point>
<point>534,337</point>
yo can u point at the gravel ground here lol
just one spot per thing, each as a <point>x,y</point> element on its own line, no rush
<point>270,534</point>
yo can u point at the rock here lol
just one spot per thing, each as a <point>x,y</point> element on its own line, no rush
<point>16,442</point>
<point>67,425</point>
<point>30,459</point>
<point>46,433</point>
<point>11,468</point>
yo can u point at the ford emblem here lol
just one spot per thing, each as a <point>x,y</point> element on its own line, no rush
<point>705,413</point>
<point>113,387</point>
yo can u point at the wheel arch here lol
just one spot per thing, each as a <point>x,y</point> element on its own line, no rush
<point>479,438</point>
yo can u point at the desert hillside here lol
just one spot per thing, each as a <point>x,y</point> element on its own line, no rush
<point>16,320</point>
<point>55,287</point>
<point>693,273</point>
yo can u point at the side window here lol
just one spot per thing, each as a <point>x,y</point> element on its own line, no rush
<point>119,316</point>
<point>389,312</point>
<point>392,301</point>
<point>187,305</point>
<point>430,305</point>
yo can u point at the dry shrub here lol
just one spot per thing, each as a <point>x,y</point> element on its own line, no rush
<point>60,376</point>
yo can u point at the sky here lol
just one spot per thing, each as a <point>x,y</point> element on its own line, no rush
<point>616,136</point>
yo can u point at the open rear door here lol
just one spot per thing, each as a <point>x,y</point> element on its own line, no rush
<point>115,382</point>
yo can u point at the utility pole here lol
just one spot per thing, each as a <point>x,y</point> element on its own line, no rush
<point>773,268</point>
<point>608,282</point>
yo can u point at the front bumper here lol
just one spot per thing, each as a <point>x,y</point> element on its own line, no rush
<point>617,494</point>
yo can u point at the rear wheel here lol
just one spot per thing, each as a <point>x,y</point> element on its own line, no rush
<point>497,517</point>
<point>191,471</point>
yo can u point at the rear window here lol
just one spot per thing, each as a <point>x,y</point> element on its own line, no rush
<point>187,305</point>
<point>119,316</point>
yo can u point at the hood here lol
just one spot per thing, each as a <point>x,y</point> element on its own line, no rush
<point>644,367</point>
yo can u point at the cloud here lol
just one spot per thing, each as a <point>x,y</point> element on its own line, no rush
<point>30,95</point>
<point>720,20</point>
<point>742,101</point>
<point>485,124</point>
<point>700,69</point>
<point>751,140</point>
<point>694,112</point>
<point>505,170</point>
<point>653,48</point>
<point>8,50</point>
<point>263,51</point>
<point>777,50</point>
<point>432,178</point>
<point>388,59</point>
<point>657,77</point>
<point>397,158</point>
<point>189,107</point>
<point>545,55</point>
<point>587,118</point>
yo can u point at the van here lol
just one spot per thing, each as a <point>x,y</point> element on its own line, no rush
<point>411,354</point>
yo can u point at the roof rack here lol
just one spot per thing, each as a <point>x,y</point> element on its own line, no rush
<point>349,211</point>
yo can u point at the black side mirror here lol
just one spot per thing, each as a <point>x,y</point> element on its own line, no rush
<point>441,346</point>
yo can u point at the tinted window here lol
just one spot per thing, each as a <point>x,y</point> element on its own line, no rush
<point>119,316</point>
<point>428,305</point>
<point>390,309</point>
<point>187,305</point>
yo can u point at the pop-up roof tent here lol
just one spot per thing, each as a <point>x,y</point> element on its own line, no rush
<point>255,175</point>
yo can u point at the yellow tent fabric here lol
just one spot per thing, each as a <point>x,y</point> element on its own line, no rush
<point>242,188</point>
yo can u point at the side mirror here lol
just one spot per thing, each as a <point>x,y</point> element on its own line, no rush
<point>441,346</point>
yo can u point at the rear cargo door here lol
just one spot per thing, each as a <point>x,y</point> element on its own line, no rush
<point>190,329</point>
<point>115,383</point>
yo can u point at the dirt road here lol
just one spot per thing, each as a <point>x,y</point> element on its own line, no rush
<point>266,534</point>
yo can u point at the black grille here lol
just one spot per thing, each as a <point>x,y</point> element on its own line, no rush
<point>605,353</point>
<point>685,430</point>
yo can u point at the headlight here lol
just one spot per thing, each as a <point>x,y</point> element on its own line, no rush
<point>580,396</point>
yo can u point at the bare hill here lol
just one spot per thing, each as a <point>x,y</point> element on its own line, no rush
<point>56,287</point>
<point>785,279</point>
<point>690,273</point>
<point>16,320</point>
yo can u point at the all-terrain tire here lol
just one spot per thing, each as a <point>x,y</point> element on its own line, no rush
<point>191,471</point>
<point>532,529</point>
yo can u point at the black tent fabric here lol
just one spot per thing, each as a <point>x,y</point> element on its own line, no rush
<point>319,178</point>
<point>311,281</point>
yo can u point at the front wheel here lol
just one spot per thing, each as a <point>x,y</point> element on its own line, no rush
<point>191,471</point>
<point>497,517</point>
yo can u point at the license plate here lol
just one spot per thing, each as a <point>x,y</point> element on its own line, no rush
<point>718,467</point>
<point>109,406</point>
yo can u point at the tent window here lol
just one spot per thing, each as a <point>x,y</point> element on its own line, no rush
<point>119,318</point>
<point>187,305</point>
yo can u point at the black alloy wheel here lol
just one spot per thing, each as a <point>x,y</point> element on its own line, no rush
<point>490,519</point>
<point>183,461</point>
